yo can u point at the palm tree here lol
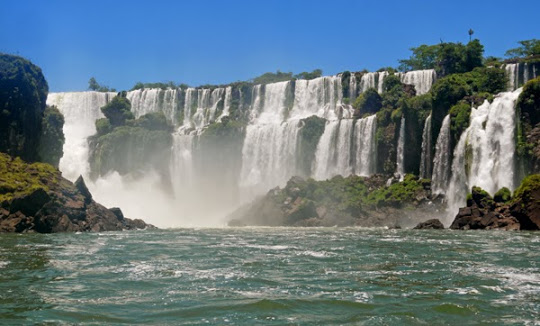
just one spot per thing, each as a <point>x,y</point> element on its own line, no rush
<point>471,32</point>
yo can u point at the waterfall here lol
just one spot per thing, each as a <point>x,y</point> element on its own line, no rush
<point>333,154</point>
<point>269,150</point>
<point>181,166</point>
<point>421,79</point>
<point>320,96</point>
<point>425,160</point>
<point>400,158</point>
<point>80,110</point>
<point>519,74</point>
<point>352,88</point>
<point>227,103</point>
<point>149,100</point>
<point>368,81</point>
<point>365,146</point>
<point>484,155</point>
<point>382,76</point>
<point>441,168</point>
<point>512,72</point>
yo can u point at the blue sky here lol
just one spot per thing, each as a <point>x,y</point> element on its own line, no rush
<point>216,42</point>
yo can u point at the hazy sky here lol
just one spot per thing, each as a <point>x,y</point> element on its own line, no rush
<point>216,42</point>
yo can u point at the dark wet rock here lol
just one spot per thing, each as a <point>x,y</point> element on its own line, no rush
<point>54,204</point>
<point>118,212</point>
<point>81,186</point>
<point>434,224</point>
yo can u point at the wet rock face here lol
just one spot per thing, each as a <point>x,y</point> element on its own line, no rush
<point>433,224</point>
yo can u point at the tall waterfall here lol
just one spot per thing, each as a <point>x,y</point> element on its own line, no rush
<point>484,155</point>
<point>149,100</point>
<point>267,157</point>
<point>400,159</point>
<point>441,163</point>
<point>365,147</point>
<point>80,110</point>
<point>269,151</point>
<point>346,147</point>
<point>426,159</point>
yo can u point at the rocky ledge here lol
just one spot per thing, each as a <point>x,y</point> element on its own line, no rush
<point>502,212</point>
<point>36,198</point>
<point>351,201</point>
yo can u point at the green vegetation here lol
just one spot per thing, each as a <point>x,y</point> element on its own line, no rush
<point>118,111</point>
<point>528,110</point>
<point>528,48</point>
<point>368,102</point>
<point>18,178</point>
<point>279,76</point>
<point>504,195</point>
<point>459,120</point>
<point>93,85</point>
<point>445,58</point>
<point>23,94</point>
<point>528,185</point>
<point>355,194</point>
<point>52,138</point>
<point>166,85</point>
<point>127,145</point>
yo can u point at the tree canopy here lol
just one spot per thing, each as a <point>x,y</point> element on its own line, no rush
<point>93,85</point>
<point>527,48</point>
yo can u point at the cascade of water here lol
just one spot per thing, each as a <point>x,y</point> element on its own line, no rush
<point>425,160</point>
<point>352,88</point>
<point>181,165</point>
<point>441,169</point>
<point>484,155</point>
<point>227,104</point>
<point>400,158</point>
<point>511,72</point>
<point>382,76</point>
<point>80,110</point>
<point>274,105</point>
<point>149,100</point>
<point>368,81</point>
<point>332,155</point>
<point>365,147</point>
<point>188,105</point>
<point>320,96</point>
<point>421,79</point>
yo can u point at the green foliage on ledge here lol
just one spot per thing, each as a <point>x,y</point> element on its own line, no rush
<point>52,138</point>
<point>18,178</point>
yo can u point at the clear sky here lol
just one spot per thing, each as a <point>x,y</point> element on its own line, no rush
<point>217,42</point>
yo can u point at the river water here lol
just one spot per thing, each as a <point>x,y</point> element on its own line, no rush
<point>274,276</point>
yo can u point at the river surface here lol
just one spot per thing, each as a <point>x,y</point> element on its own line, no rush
<point>274,276</point>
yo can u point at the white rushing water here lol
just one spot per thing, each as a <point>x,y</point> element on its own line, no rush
<point>421,79</point>
<point>519,73</point>
<point>150,100</point>
<point>80,110</point>
<point>269,152</point>
<point>441,162</point>
<point>484,155</point>
<point>426,159</point>
<point>400,158</point>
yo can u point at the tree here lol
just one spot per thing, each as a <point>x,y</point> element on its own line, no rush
<point>118,111</point>
<point>471,32</point>
<point>93,85</point>
<point>423,57</point>
<point>527,48</point>
<point>309,75</point>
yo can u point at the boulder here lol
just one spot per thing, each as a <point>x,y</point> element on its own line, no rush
<point>81,186</point>
<point>433,224</point>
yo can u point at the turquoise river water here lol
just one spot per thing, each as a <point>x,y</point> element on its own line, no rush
<point>274,276</point>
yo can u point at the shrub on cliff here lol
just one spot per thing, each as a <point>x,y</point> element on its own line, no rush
<point>23,93</point>
<point>118,111</point>
<point>368,102</point>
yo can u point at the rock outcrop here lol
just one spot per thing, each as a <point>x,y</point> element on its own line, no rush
<point>35,198</point>
<point>351,201</point>
<point>433,224</point>
<point>522,212</point>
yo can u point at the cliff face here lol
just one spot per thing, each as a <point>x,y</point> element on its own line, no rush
<point>35,198</point>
